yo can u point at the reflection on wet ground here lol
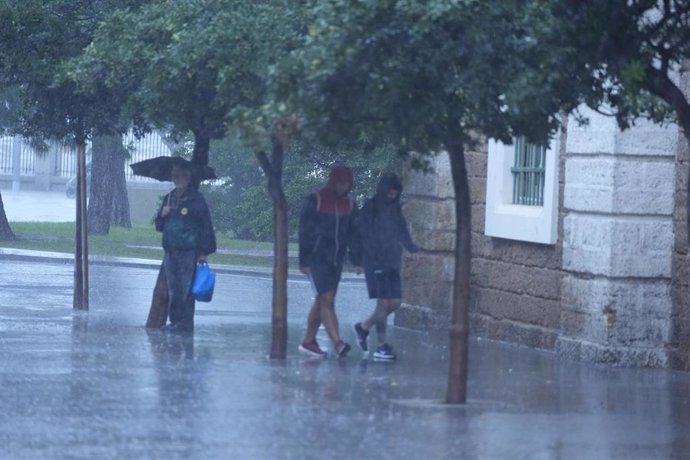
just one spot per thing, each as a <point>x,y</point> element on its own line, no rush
<point>97,384</point>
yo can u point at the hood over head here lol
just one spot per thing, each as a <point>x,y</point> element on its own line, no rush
<point>339,174</point>
<point>328,198</point>
<point>388,181</point>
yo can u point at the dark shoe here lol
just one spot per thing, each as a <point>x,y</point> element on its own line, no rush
<point>385,353</point>
<point>341,349</point>
<point>312,349</point>
<point>361,335</point>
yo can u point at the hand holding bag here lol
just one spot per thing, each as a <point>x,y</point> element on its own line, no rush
<point>204,282</point>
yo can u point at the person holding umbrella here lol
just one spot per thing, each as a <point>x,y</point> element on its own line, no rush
<point>188,238</point>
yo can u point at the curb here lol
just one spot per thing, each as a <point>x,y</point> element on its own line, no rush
<point>64,258</point>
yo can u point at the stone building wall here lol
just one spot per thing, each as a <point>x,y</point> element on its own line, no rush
<point>515,286</point>
<point>429,204</point>
<point>605,292</point>
<point>618,243</point>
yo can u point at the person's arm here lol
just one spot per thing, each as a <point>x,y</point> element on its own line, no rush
<point>163,213</point>
<point>405,238</point>
<point>307,231</point>
<point>207,236</point>
<point>364,228</point>
<point>354,243</point>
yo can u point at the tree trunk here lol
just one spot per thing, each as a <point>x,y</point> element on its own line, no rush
<point>121,216</point>
<point>661,85</point>
<point>274,173</point>
<point>101,190</point>
<point>6,233</point>
<point>459,327</point>
<point>202,144</point>
<point>108,203</point>
<point>280,271</point>
<point>81,253</point>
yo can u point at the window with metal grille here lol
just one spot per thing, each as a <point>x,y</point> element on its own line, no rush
<point>528,173</point>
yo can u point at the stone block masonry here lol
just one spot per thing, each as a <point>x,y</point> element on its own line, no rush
<point>618,246</point>
<point>514,286</point>
<point>618,237</point>
<point>613,289</point>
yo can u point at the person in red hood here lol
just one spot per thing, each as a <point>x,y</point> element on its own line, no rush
<point>326,233</point>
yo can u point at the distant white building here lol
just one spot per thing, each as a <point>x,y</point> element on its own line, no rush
<point>23,168</point>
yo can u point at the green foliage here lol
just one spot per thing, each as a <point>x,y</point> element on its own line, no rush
<point>419,75</point>
<point>425,74</point>
<point>241,205</point>
<point>619,54</point>
<point>190,66</point>
<point>37,41</point>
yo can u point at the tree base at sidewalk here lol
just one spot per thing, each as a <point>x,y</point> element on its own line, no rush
<point>6,233</point>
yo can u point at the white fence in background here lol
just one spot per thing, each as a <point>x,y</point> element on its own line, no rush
<point>18,158</point>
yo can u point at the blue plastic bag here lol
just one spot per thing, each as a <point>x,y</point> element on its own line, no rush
<point>204,282</point>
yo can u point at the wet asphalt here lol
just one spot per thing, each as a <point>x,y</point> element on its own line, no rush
<point>97,384</point>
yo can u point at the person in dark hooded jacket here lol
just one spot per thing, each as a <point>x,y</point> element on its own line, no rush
<point>326,232</point>
<point>384,235</point>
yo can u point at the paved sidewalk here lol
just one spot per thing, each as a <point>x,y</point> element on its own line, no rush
<point>96,384</point>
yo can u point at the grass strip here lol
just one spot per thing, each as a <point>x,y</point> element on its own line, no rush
<point>141,241</point>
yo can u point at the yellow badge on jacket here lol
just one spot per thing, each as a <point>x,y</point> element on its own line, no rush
<point>184,211</point>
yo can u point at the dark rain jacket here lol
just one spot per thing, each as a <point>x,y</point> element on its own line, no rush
<point>383,229</point>
<point>327,229</point>
<point>188,226</point>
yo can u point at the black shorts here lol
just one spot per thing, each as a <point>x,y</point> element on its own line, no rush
<point>326,277</point>
<point>383,284</point>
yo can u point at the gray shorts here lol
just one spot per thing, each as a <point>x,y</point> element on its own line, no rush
<point>326,277</point>
<point>383,284</point>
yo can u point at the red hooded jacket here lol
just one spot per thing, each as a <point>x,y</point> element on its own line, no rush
<point>327,224</point>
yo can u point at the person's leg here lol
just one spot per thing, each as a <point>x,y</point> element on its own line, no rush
<point>384,351</point>
<point>380,313</point>
<point>330,323</point>
<point>374,280</point>
<point>388,306</point>
<point>179,271</point>
<point>188,272</point>
<point>309,344</point>
<point>326,278</point>
<point>328,317</point>
<point>313,322</point>
<point>171,266</point>
<point>391,294</point>
<point>361,329</point>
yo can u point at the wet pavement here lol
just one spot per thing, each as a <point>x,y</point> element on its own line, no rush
<point>97,384</point>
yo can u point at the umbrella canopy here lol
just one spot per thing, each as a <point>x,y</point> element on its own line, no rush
<point>160,168</point>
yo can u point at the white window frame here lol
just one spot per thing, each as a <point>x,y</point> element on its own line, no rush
<point>537,224</point>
